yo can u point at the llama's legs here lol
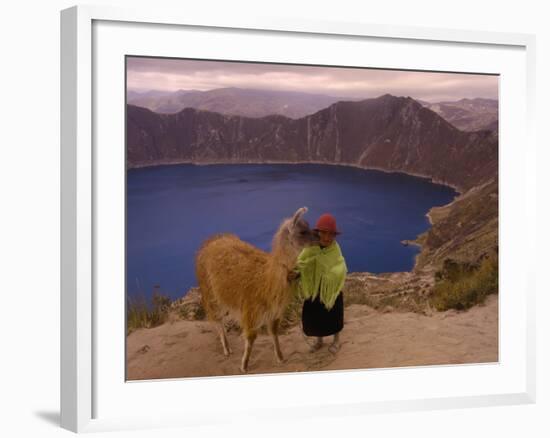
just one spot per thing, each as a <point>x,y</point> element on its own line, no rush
<point>217,321</point>
<point>250,337</point>
<point>273,329</point>
<point>221,331</point>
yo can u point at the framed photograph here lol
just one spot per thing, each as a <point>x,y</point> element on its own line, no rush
<point>274,207</point>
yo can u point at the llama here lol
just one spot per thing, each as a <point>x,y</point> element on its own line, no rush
<point>248,283</point>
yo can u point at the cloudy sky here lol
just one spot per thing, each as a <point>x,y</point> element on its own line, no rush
<point>173,74</point>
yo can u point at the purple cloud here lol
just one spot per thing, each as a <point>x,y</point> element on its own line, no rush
<point>173,74</point>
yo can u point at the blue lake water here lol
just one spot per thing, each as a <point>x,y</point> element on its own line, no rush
<point>171,210</point>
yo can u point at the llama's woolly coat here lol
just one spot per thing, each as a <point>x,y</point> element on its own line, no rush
<point>237,278</point>
<point>246,280</point>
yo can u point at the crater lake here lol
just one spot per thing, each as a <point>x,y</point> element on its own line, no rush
<point>171,210</point>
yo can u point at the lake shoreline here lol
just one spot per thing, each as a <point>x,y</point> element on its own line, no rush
<point>456,188</point>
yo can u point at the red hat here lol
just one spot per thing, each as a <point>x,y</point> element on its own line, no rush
<point>326,222</point>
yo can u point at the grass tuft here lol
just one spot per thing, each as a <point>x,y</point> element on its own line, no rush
<point>142,315</point>
<point>460,286</point>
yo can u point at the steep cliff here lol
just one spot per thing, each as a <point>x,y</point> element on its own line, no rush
<point>388,133</point>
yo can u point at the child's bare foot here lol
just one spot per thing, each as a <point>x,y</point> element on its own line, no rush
<point>316,345</point>
<point>335,346</point>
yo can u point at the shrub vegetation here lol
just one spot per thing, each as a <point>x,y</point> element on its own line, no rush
<point>142,315</point>
<point>462,285</point>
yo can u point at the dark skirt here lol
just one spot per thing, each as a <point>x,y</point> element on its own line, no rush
<point>318,321</point>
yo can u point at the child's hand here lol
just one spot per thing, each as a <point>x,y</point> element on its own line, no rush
<point>292,275</point>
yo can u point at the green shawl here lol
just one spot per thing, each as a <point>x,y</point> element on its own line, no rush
<point>322,270</point>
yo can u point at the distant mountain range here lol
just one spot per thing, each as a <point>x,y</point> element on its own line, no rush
<point>468,114</point>
<point>234,101</point>
<point>465,114</point>
<point>388,133</point>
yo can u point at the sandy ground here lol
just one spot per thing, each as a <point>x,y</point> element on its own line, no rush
<point>370,339</point>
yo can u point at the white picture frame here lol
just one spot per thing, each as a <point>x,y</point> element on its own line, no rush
<point>87,403</point>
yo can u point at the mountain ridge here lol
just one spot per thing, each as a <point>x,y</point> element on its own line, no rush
<point>246,102</point>
<point>467,114</point>
<point>388,133</point>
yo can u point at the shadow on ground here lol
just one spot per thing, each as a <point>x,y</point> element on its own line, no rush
<point>52,417</point>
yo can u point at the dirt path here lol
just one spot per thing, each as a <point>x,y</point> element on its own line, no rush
<point>370,339</point>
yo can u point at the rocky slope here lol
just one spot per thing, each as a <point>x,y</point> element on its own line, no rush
<point>463,230</point>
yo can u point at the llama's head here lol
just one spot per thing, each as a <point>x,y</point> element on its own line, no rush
<point>292,236</point>
<point>299,232</point>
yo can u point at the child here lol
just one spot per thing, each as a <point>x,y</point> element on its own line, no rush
<point>321,270</point>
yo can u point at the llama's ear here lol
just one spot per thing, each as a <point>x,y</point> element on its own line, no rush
<point>298,215</point>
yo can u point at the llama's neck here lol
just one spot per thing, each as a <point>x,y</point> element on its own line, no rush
<point>284,256</point>
<point>278,286</point>
<point>282,251</point>
<point>282,260</point>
